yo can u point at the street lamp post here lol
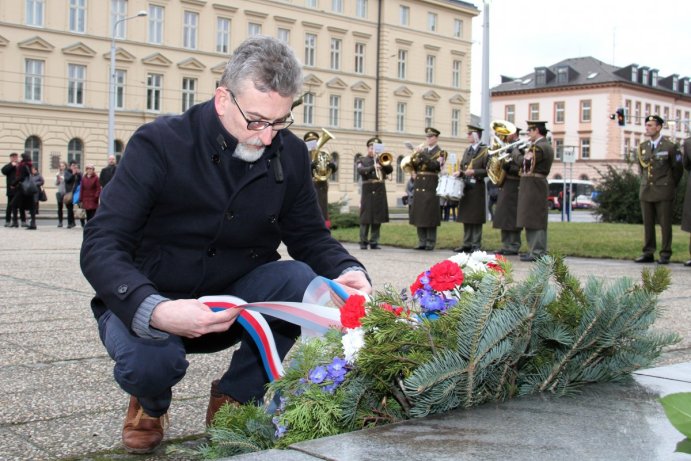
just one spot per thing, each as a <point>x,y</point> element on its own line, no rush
<point>111,86</point>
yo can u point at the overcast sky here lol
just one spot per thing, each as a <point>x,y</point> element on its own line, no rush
<point>525,34</point>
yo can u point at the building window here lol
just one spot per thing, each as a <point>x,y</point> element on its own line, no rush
<point>189,30</point>
<point>627,106</point>
<point>404,15</point>
<point>189,90</point>
<point>223,35</point>
<point>32,146</point>
<point>335,160</point>
<point>586,116</point>
<point>429,115</point>
<point>541,77</point>
<point>308,109</point>
<point>336,44</point>
<point>283,35</point>
<point>337,6</point>
<point>534,111</point>
<point>510,113</point>
<point>78,16</point>
<point>458,28</point>
<point>334,109</point>
<point>666,115</point>
<point>400,117</point>
<point>456,73</point>
<point>455,122</point>
<point>358,111</point>
<point>154,87</point>
<point>118,11</point>
<point>356,160</point>
<point>75,151</point>
<point>402,60</point>
<point>647,110</point>
<point>35,12</point>
<point>429,69</point>
<point>677,120</point>
<point>686,118</point>
<point>644,76</point>
<point>254,29</point>
<point>119,89</point>
<point>637,113</point>
<point>627,148</point>
<point>654,78</point>
<point>559,112</point>
<point>75,84</point>
<point>361,8</point>
<point>686,87</point>
<point>118,150</point>
<point>657,109</point>
<point>33,80</point>
<point>432,22</point>
<point>311,3</point>
<point>562,75</point>
<point>310,49</point>
<point>585,148</point>
<point>634,74</point>
<point>558,148</point>
<point>155,22</point>
<point>359,58</point>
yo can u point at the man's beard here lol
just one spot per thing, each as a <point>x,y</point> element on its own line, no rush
<point>248,154</point>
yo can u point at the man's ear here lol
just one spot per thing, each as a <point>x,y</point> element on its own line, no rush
<point>221,100</point>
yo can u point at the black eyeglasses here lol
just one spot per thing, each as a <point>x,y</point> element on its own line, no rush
<point>259,125</point>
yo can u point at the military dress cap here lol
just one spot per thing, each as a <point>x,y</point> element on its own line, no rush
<point>429,131</point>
<point>310,136</point>
<point>374,140</point>
<point>536,124</point>
<point>655,118</point>
<point>474,128</point>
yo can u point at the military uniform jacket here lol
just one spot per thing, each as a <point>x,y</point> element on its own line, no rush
<point>686,216</point>
<point>472,207</point>
<point>660,170</point>
<point>533,189</point>
<point>184,218</point>
<point>425,209</point>
<point>374,208</point>
<point>506,208</point>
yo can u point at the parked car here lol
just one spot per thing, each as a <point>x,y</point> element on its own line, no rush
<point>581,189</point>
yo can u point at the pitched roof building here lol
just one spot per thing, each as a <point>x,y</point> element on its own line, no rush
<point>579,98</point>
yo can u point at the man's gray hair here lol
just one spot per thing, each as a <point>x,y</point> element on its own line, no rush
<point>268,63</point>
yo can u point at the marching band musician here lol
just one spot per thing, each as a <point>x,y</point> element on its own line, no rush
<point>374,209</point>
<point>321,186</point>
<point>533,190</point>
<point>507,201</point>
<point>661,168</point>
<point>472,208</point>
<point>426,162</point>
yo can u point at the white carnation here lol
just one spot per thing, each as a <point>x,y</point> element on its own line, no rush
<point>353,340</point>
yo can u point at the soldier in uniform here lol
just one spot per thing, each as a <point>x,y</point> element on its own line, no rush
<point>686,216</point>
<point>507,201</point>
<point>321,185</point>
<point>425,210</point>
<point>374,209</point>
<point>533,190</point>
<point>472,210</point>
<point>661,168</point>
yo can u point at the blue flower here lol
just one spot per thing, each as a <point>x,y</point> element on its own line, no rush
<point>280,429</point>
<point>318,374</point>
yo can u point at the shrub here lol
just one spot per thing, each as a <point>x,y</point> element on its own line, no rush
<point>618,198</point>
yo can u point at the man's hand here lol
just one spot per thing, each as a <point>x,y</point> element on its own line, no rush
<point>191,318</point>
<point>355,281</point>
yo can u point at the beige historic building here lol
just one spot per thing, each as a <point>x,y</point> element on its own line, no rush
<point>579,99</point>
<point>386,67</point>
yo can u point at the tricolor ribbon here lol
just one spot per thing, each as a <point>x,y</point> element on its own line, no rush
<point>315,314</point>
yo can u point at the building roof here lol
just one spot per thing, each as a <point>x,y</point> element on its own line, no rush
<point>587,70</point>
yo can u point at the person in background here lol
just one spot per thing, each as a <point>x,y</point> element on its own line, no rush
<point>60,193</point>
<point>108,171</point>
<point>10,172</point>
<point>37,178</point>
<point>90,192</point>
<point>73,178</point>
<point>21,201</point>
<point>150,252</point>
<point>686,216</point>
<point>506,210</point>
<point>426,161</point>
<point>374,209</point>
<point>660,169</point>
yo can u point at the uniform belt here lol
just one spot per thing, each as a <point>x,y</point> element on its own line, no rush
<point>508,176</point>
<point>535,175</point>
<point>371,181</point>
<point>428,173</point>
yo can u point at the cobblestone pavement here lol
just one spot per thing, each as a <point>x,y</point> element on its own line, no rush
<point>57,396</point>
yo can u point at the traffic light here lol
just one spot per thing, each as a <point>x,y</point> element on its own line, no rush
<point>621,117</point>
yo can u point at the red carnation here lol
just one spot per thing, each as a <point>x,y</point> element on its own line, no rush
<point>495,267</point>
<point>445,275</point>
<point>352,311</point>
<point>397,311</point>
<point>417,285</point>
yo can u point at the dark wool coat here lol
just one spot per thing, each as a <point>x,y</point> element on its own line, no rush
<point>659,183</point>
<point>374,209</point>
<point>506,210</point>
<point>184,218</point>
<point>533,190</point>
<point>425,210</point>
<point>472,208</point>
<point>686,217</point>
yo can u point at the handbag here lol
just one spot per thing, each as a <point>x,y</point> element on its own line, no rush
<point>76,194</point>
<point>42,197</point>
<point>67,198</point>
<point>28,186</point>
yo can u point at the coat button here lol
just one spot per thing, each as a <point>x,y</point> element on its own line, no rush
<point>273,219</point>
<point>211,252</point>
<point>122,289</point>
<point>229,215</point>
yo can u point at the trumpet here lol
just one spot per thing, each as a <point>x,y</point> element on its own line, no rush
<point>519,144</point>
<point>383,159</point>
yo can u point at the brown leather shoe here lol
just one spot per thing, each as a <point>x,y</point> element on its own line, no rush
<point>216,401</point>
<point>142,433</point>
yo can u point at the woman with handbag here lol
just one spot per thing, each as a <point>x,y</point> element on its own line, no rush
<point>60,194</point>
<point>72,179</point>
<point>90,192</point>
<point>23,199</point>
<point>40,195</point>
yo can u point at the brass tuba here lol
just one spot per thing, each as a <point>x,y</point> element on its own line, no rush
<point>322,162</point>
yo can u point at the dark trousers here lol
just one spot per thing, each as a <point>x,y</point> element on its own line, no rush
<point>660,213</point>
<point>14,209</point>
<point>59,198</point>
<point>374,236</point>
<point>149,368</point>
